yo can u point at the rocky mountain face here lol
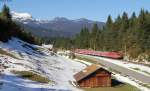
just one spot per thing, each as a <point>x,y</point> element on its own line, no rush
<point>59,26</point>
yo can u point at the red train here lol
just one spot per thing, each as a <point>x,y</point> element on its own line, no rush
<point>114,55</point>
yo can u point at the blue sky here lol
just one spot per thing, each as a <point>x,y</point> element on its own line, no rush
<point>74,9</point>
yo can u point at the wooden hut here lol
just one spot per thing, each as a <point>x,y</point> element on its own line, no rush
<point>93,76</point>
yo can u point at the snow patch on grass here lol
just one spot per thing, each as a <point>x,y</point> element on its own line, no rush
<point>58,69</point>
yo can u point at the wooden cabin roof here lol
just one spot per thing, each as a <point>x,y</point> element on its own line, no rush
<point>86,72</point>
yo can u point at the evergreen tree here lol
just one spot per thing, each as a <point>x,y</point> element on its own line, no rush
<point>133,21</point>
<point>82,39</point>
<point>6,13</point>
<point>109,23</point>
<point>9,29</point>
<point>94,36</point>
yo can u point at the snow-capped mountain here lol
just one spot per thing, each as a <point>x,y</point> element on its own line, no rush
<point>59,26</point>
<point>21,16</point>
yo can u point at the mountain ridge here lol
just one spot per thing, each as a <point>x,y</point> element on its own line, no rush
<point>59,26</point>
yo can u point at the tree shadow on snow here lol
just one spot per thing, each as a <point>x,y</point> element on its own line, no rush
<point>1,84</point>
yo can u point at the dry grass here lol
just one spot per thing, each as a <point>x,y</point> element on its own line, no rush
<point>8,54</point>
<point>32,76</point>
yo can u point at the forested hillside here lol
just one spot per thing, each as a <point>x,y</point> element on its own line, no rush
<point>9,29</point>
<point>129,35</point>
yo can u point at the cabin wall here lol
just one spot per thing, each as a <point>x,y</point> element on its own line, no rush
<point>101,78</point>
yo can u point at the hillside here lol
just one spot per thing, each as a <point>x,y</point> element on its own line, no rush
<point>59,26</point>
<point>18,56</point>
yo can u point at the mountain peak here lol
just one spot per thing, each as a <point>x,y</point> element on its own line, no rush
<point>22,16</point>
<point>84,20</point>
<point>60,19</point>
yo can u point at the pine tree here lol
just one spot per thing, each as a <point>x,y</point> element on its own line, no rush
<point>109,23</point>
<point>6,13</point>
<point>94,36</point>
<point>133,21</point>
<point>82,39</point>
<point>125,22</point>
